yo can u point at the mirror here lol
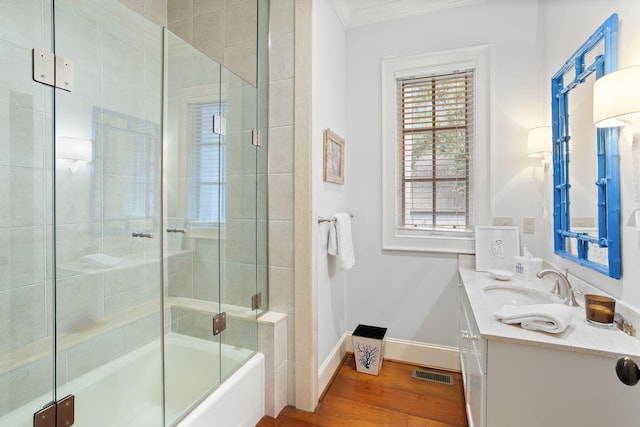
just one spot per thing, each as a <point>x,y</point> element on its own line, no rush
<point>586,197</point>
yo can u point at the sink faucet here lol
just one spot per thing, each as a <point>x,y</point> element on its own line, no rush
<point>562,286</point>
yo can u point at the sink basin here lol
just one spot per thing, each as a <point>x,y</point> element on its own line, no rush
<point>519,295</point>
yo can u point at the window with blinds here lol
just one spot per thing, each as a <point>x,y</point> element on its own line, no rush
<point>435,125</point>
<point>207,157</point>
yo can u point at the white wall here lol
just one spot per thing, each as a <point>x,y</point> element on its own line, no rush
<point>329,111</point>
<point>414,294</point>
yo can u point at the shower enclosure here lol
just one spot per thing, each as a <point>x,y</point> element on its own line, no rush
<point>132,215</point>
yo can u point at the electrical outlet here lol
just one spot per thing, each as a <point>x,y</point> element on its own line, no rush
<point>502,221</point>
<point>528,225</point>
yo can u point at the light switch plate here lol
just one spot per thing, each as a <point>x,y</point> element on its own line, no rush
<point>503,221</point>
<point>528,225</point>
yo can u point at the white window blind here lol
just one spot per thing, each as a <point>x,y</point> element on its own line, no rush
<point>207,180</point>
<point>435,125</point>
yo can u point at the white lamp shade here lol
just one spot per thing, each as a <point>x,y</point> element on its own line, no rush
<point>616,96</point>
<point>74,149</point>
<point>539,141</point>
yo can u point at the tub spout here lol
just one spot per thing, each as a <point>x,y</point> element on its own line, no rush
<point>562,285</point>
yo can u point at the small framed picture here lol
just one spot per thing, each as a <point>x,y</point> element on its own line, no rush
<point>333,157</point>
<point>496,247</point>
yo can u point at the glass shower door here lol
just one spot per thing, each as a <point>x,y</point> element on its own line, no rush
<point>194,223</point>
<point>239,266</point>
<point>26,251</point>
<point>107,214</point>
<point>210,221</point>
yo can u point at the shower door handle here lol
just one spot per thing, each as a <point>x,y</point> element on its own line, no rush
<point>145,235</point>
<point>177,230</point>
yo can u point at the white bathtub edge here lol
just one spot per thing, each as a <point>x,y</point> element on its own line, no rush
<point>238,402</point>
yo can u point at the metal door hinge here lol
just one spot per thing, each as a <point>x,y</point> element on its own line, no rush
<point>52,70</point>
<point>256,301</point>
<point>219,323</point>
<point>255,138</point>
<point>219,125</point>
<point>57,414</point>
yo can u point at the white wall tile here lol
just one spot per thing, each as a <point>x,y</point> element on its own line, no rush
<point>281,60</point>
<point>281,15</point>
<point>179,9</point>
<point>204,6</point>
<point>281,244</point>
<point>23,194</point>
<point>208,33</point>
<point>281,189</point>
<point>243,16</point>
<point>22,316</point>
<point>22,256</point>
<point>281,103</point>
<point>281,289</point>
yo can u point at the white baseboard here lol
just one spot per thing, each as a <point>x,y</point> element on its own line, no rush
<point>415,353</point>
<point>332,363</point>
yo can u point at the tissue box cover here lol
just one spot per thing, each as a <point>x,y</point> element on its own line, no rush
<point>368,348</point>
<point>527,268</point>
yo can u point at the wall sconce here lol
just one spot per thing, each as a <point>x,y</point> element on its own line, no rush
<point>616,97</point>
<point>540,142</point>
<point>76,150</point>
<point>540,145</point>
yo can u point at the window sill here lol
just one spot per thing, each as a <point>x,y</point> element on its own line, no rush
<point>400,240</point>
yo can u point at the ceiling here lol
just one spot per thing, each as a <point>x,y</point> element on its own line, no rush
<point>355,13</point>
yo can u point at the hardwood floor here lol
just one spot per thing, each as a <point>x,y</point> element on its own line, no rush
<point>393,398</point>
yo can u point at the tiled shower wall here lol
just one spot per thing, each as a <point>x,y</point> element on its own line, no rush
<point>281,186</point>
<point>223,29</point>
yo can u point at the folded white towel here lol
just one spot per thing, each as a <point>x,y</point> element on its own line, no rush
<point>345,243</point>
<point>332,243</point>
<point>552,318</point>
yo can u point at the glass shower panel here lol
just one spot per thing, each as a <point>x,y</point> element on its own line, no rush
<point>262,168</point>
<point>107,214</point>
<point>26,250</point>
<point>195,191</point>
<point>238,249</point>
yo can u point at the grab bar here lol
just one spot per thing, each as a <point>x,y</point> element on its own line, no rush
<point>332,219</point>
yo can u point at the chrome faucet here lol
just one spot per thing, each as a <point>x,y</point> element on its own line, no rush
<point>562,286</point>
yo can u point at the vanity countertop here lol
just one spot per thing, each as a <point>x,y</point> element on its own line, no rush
<point>579,335</point>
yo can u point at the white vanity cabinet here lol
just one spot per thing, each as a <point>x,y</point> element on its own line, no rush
<point>513,379</point>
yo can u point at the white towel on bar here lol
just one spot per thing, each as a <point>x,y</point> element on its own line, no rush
<point>345,243</point>
<point>332,243</point>
<point>552,318</point>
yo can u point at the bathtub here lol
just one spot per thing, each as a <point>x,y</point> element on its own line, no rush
<point>110,395</point>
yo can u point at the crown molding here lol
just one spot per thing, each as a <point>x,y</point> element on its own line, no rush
<point>390,10</point>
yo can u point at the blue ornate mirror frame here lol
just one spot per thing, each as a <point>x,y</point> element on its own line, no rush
<point>607,185</point>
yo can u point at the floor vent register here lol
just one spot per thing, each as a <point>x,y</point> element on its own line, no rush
<point>433,376</point>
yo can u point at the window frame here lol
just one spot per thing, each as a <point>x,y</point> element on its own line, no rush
<point>191,95</point>
<point>195,181</point>
<point>395,237</point>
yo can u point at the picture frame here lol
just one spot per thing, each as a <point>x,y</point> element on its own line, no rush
<point>496,247</point>
<point>333,157</point>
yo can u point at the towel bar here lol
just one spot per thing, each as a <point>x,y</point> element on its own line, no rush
<point>332,219</point>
